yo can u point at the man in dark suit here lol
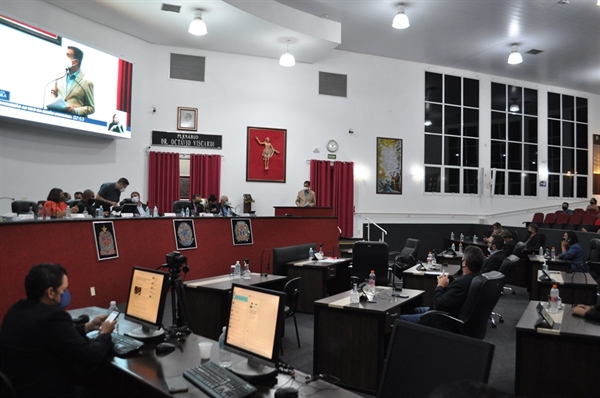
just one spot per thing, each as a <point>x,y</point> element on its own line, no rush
<point>450,296</point>
<point>509,242</point>
<point>497,255</point>
<point>40,346</point>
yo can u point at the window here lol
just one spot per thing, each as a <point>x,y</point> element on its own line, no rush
<point>567,146</point>
<point>514,140</point>
<point>451,134</point>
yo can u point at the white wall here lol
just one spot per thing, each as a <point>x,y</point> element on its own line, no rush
<point>385,99</point>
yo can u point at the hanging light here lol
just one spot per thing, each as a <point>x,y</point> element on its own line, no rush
<point>287,59</point>
<point>514,57</point>
<point>197,26</point>
<point>514,107</point>
<point>400,20</point>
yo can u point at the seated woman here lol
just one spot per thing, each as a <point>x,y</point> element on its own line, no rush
<point>496,230</point>
<point>593,205</point>
<point>56,205</point>
<point>571,250</point>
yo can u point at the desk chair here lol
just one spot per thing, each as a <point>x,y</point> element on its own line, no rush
<point>367,256</point>
<point>292,295</point>
<point>506,269</point>
<point>593,258</point>
<point>182,204</point>
<point>472,319</point>
<point>23,206</point>
<point>519,248</point>
<point>420,358</point>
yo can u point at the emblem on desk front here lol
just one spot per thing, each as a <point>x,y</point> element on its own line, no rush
<point>106,242</point>
<point>241,229</point>
<point>185,235</point>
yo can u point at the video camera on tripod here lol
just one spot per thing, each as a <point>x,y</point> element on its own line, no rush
<point>176,263</point>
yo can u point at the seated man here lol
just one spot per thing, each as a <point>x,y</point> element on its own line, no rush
<point>509,242</point>
<point>198,206</point>
<point>535,241</point>
<point>39,345</point>
<point>565,209</point>
<point>450,296</point>
<point>87,202</point>
<point>211,207</point>
<point>572,250</point>
<point>497,255</point>
<point>224,207</point>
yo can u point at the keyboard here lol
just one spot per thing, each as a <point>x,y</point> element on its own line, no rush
<point>122,344</point>
<point>218,382</point>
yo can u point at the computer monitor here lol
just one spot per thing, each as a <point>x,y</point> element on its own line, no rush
<point>146,302</point>
<point>254,330</point>
<point>420,358</point>
<point>129,208</point>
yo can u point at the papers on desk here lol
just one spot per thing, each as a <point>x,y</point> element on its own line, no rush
<point>331,260</point>
<point>433,272</point>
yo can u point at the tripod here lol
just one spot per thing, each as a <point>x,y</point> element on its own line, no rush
<point>178,304</point>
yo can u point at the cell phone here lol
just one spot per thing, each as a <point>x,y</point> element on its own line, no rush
<point>113,315</point>
<point>177,384</point>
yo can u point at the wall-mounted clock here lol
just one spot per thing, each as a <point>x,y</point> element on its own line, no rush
<point>332,146</point>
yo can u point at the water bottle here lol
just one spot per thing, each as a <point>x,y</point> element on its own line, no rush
<point>224,355</point>
<point>99,212</point>
<point>541,251</point>
<point>147,211</point>
<point>85,212</point>
<point>155,211</point>
<point>187,211</point>
<point>453,247</point>
<point>553,253</point>
<point>321,250</point>
<point>451,235</point>
<point>40,214</point>
<point>311,253</point>
<point>31,211</point>
<point>238,270</point>
<point>68,212</point>
<point>462,237</point>
<point>182,212</point>
<point>247,274</point>
<point>545,266</point>
<point>553,300</point>
<point>429,260</point>
<point>354,295</point>
<point>460,247</point>
<point>474,238</point>
<point>372,281</point>
<point>113,307</point>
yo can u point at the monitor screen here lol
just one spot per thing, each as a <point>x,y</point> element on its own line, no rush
<point>146,301</point>
<point>443,357</point>
<point>61,83</point>
<point>130,208</point>
<point>254,330</point>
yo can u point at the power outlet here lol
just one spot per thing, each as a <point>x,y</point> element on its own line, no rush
<point>93,291</point>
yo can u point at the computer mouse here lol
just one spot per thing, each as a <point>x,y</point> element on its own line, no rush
<point>165,348</point>
<point>286,392</point>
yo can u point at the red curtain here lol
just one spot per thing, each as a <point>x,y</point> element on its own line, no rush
<point>334,187</point>
<point>321,181</point>
<point>163,180</point>
<point>205,175</point>
<point>124,89</point>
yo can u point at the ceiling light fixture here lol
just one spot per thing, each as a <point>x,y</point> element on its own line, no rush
<point>400,20</point>
<point>514,108</point>
<point>197,26</point>
<point>287,59</point>
<point>428,123</point>
<point>514,57</point>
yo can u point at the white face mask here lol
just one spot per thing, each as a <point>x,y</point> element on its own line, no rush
<point>135,199</point>
<point>122,190</point>
<point>68,63</point>
<point>306,188</point>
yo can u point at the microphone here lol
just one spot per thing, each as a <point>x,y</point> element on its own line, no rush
<point>46,86</point>
<point>261,261</point>
<point>7,197</point>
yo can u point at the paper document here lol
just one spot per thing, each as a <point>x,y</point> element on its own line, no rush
<point>58,105</point>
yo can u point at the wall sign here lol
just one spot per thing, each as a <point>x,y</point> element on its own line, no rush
<point>188,140</point>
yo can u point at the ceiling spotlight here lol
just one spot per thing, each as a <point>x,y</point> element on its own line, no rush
<point>400,20</point>
<point>514,108</point>
<point>287,59</point>
<point>428,123</point>
<point>514,57</point>
<point>197,26</point>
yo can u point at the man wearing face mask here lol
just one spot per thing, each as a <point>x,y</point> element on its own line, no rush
<point>87,202</point>
<point>565,209</point>
<point>497,255</point>
<point>136,200</point>
<point>198,206</point>
<point>110,193</point>
<point>306,197</point>
<point>39,345</point>
<point>224,207</point>
<point>74,87</point>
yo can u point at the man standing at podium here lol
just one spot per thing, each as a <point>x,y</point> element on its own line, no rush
<point>306,197</point>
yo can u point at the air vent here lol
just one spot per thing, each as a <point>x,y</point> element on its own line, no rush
<point>170,8</point>
<point>533,51</point>
<point>333,84</point>
<point>187,67</point>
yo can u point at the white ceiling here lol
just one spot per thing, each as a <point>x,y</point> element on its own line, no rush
<point>474,35</point>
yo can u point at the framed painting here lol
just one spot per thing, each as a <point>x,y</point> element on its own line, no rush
<point>266,154</point>
<point>106,241</point>
<point>187,119</point>
<point>389,166</point>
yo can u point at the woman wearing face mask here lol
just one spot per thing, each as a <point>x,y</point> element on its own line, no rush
<point>593,205</point>
<point>571,250</point>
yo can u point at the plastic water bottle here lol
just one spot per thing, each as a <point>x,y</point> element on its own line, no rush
<point>474,238</point>
<point>113,307</point>
<point>31,211</point>
<point>545,266</point>
<point>238,270</point>
<point>462,237</point>
<point>321,250</point>
<point>247,274</point>
<point>372,281</point>
<point>553,253</point>
<point>68,212</point>
<point>187,211</point>
<point>147,211</point>
<point>155,212</point>
<point>541,251</point>
<point>553,300</point>
<point>311,253</point>
<point>354,295</point>
<point>451,235</point>
<point>224,355</point>
<point>453,247</point>
<point>460,247</point>
<point>429,260</point>
<point>98,212</point>
<point>40,214</point>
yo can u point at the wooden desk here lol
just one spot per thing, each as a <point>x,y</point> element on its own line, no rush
<point>466,242</point>
<point>579,291</point>
<point>319,279</point>
<point>560,363</point>
<point>535,264</point>
<point>350,339</point>
<point>413,279</point>
<point>453,260</point>
<point>208,300</point>
<point>145,374</point>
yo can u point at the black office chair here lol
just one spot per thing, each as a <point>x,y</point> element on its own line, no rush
<point>472,319</point>
<point>23,206</point>
<point>292,295</point>
<point>519,248</point>
<point>506,269</point>
<point>593,258</point>
<point>408,256</point>
<point>182,204</point>
<point>367,256</point>
<point>6,387</point>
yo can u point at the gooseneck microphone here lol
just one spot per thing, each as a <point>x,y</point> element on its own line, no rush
<point>46,86</point>
<point>268,261</point>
